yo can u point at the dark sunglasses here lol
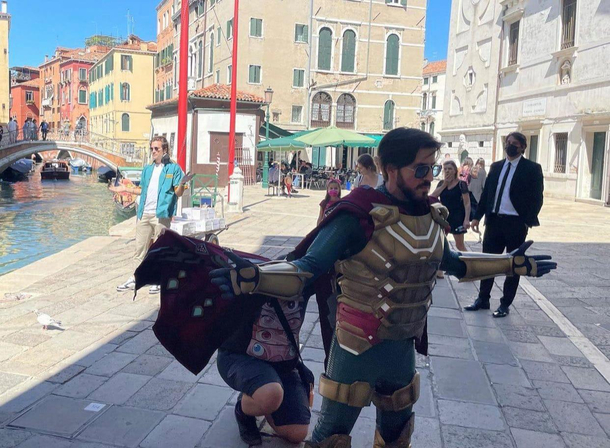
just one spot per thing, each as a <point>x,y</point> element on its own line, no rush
<point>158,149</point>
<point>423,170</point>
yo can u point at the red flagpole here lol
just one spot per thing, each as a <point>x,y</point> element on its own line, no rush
<point>182,85</point>
<point>233,89</point>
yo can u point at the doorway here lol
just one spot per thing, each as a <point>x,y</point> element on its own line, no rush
<point>597,165</point>
<point>533,146</point>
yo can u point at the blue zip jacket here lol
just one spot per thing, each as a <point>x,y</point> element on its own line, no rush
<point>170,178</point>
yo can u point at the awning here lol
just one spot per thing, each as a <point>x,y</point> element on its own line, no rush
<point>274,131</point>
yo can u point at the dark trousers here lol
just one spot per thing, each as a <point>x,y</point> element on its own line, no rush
<point>502,232</point>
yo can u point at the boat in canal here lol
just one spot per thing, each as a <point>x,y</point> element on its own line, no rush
<point>105,174</point>
<point>55,170</point>
<point>126,203</point>
<point>80,165</point>
<point>18,171</point>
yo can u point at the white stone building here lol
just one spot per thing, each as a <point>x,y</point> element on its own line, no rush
<point>433,91</point>
<point>555,88</point>
<point>471,80</point>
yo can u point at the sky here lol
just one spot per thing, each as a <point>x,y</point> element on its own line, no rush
<point>37,28</point>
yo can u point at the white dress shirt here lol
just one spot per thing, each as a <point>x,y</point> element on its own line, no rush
<point>506,206</point>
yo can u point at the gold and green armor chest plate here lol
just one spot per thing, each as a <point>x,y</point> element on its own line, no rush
<point>386,288</point>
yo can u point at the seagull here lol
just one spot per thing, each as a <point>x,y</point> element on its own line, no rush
<point>46,320</point>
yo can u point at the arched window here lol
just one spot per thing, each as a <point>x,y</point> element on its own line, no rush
<point>211,60</point>
<point>346,111</point>
<point>200,56</point>
<point>348,52</point>
<point>125,122</point>
<point>432,129</point>
<point>125,92</point>
<point>424,101</point>
<point>325,48</point>
<point>321,108</point>
<point>391,54</point>
<point>388,115</point>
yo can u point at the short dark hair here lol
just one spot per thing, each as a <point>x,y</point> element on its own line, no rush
<point>400,146</point>
<point>367,161</point>
<point>519,137</point>
<point>164,143</point>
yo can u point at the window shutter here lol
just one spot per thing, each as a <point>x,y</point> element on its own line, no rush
<point>349,51</point>
<point>306,33</point>
<point>121,93</point>
<point>391,67</point>
<point>403,2</point>
<point>324,49</point>
<point>111,91</point>
<point>295,78</point>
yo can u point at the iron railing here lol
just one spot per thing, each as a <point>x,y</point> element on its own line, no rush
<point>561,152</point>
<point>568,29</point>
<point>246,160</point>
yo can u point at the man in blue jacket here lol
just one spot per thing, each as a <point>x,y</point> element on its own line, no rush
<point>162,183</point>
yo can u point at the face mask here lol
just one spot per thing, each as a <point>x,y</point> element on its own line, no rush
<point>511,150</point>
<point>333,193</point>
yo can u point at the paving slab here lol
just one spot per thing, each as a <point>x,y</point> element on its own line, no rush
<point>425,406</point>
<point>147,365</point>
<point>177,372</point>
<point>485,334</point>
<point>175,430</point>
<point>596,400</point>
<point>223,432</point>
<point>557,391</point>
<point>159,394</point>
<point>459,437</point>
<point>560,346</point>
<point>504,374</point>
<point>139,344</point>
<point>10,380</point>
<point>531,352</point>
<point>204,402</point>
<point>58,416</point>
<point>25,395</point>
<point>530,439</point>
<point>493,353</point>
<point>446,327</point>
<point>544,371</point>
<point>122,426</point>
<point>461,380</point>
<point>10,438</point>
<point>119,388</point>
<point>470,415</point>
<point>573,417</point>
<point>427,434</point>
<point>580,441</point>
<point>39,441</point>
<point>80,386</point>
<point>518,397</point>
<point>528,419</point>
<point>585,378</point>
<point>110,364</point>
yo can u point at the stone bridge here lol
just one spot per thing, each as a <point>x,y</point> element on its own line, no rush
<point>9,154</point>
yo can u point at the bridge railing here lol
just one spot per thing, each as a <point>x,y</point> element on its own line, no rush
<point>130,151</point>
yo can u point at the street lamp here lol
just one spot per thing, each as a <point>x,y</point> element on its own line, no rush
<point>268,99</point>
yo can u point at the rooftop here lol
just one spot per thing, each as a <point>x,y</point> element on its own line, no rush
<point>217,92</point>
<point>435,67</point>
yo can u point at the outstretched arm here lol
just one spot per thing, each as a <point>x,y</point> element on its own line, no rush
<point>286,280</point>
<point>472,266</point>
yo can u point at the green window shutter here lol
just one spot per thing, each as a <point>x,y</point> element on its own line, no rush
<point>348,54</point>
<point>403,2</point>
<point>295,78</point>
<point>111,91</point>
<point>388,115</point>
<point>211,61</point>
<point>325,49</point>
<point>306,33</point>
<point>256,27</point>
<point>130,63</point>
<point>391,57</point>
<point>218,36</point>
<point>121,92</point>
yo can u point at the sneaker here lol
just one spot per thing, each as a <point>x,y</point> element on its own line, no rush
<point>154,289</point>
<point>129,285</point>
<point>248,430</point>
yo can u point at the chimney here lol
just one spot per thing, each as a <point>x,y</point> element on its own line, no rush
<point>4,8</point>
<point>46,58</point>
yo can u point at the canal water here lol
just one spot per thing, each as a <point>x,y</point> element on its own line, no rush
<point>39,218</point>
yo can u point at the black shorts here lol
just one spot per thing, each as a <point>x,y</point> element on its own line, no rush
<point>247,374</point>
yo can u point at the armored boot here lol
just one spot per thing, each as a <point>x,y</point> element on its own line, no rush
<point>334,441</point>
<point>403,441</point>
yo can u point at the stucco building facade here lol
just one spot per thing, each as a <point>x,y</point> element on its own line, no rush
<point>121,86</point>
<point>164,60</point>
<point>5,82</point>
<point>354,65</point>
<point>555,88</point>
<point>432,91</point>
<point>25,94</point>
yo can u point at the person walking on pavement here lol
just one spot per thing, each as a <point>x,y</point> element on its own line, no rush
<point>12,130</point>
<point>163,182</point>
<point>511,200</point>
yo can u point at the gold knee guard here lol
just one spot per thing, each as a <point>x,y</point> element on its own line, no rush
<point>403,441</point>
<point>334,441</point>
<point>358,394</point>
<point>400,399</point>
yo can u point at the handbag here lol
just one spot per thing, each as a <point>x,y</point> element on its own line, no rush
<point>306,375</point>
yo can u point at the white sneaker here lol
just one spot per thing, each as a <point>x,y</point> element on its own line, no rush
<point>129,285</point>
<point>154,289</point>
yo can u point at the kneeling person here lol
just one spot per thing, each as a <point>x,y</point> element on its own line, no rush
<point>261,363</point>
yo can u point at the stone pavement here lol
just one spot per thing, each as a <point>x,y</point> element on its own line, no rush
<point>103,379</point>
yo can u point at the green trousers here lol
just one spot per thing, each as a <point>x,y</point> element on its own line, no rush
<point>387,366</point>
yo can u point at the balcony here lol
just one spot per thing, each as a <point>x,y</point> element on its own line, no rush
<point>47,102</point>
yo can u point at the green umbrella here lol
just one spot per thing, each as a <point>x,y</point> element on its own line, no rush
<point>333,136</point>
<point>280,144</point>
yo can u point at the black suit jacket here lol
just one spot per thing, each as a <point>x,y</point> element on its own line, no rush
<point>525,192</point>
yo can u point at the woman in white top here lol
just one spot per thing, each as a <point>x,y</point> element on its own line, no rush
<point>368,173</point>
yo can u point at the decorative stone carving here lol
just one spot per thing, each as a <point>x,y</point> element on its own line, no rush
<point>480,105</point>
<point>566,72</point>
<point>458,60</point>
<point>456,105</point>
<point>470,78</point>
<point>466,15</point>
<point>484,50</point>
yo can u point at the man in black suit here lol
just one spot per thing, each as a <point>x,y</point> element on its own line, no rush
<point>510,202</point>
